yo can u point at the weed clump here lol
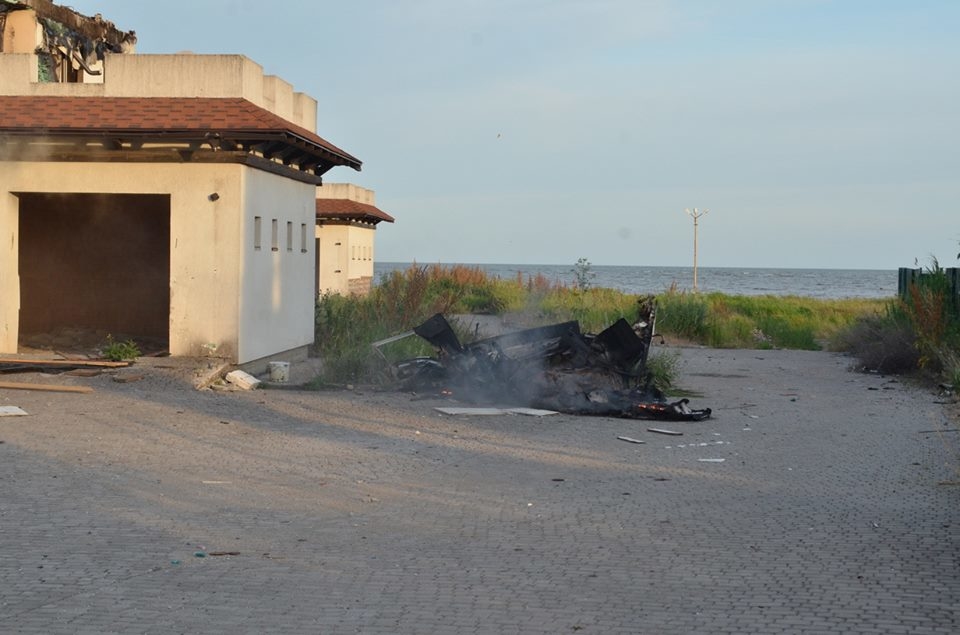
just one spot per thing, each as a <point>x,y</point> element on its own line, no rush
<point>120,351</point>
<point>663,369</point>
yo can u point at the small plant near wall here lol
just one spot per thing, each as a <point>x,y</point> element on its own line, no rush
<point>120,351</point>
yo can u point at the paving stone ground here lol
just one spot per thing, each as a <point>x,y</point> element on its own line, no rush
<point>833,510</point>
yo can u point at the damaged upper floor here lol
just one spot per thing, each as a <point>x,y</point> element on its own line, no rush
<point>69,46</point>
<point>146,108</point>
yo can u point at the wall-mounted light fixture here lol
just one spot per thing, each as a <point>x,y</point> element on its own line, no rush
<point>214,197</point>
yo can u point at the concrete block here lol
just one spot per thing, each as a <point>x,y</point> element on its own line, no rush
<point>242,379</point>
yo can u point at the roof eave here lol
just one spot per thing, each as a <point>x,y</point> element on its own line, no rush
<point>327,158</point>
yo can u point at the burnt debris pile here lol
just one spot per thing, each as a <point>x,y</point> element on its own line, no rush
<point>554,367</point>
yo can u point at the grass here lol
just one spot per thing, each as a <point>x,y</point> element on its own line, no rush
<point>727,321</point>
<point>347,325</point>
<point>663,369</point>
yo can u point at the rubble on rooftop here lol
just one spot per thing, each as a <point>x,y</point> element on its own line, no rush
<point>70,39</point>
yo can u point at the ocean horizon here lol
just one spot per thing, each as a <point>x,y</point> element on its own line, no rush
<point>814,283</point>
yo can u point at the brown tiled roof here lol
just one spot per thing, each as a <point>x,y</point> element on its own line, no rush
<point>228,116</point>
<point>345,209</point>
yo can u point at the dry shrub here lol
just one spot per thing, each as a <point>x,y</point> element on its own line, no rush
<point>885,344</point>
<point>460,275</point>
<point>539,284</point>
<point>927,309</point>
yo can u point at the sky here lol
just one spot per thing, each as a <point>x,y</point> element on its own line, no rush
<point>818,133</point>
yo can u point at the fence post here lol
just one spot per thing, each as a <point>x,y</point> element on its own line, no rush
<point>905,278</point>
<point>953,275</point>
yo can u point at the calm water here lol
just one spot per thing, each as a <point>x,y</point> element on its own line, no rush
<point>814,283</point>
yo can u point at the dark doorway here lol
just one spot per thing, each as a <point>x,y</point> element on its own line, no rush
<point>97,262</point>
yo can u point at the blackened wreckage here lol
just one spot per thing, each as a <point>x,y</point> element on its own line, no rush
<point>554,367</point>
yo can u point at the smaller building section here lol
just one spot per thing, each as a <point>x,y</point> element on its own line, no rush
<point>347,219</point>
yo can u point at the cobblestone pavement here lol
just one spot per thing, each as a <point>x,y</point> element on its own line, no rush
<point>833,510</point>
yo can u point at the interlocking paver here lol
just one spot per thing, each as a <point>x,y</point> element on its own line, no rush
<point>374,514</point>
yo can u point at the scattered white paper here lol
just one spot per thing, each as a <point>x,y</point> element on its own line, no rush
<point>673,433</point>
<point>530,412</point>
<point>471,411</point>
<point>12,411</point>
<point>711,460</point>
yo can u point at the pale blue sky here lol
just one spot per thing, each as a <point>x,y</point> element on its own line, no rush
<point>819,133</point>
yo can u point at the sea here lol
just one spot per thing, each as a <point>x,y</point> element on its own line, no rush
<point>812,283</point>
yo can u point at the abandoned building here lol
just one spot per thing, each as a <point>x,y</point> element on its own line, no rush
<point>165,196</point>
<point>347,217</point>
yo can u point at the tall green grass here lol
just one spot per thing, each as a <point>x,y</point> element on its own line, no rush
<point>729,321</point>
<point>595,308</point>
<point>346,325</point>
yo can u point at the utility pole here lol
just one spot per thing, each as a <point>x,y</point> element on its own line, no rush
<point>695,214</point>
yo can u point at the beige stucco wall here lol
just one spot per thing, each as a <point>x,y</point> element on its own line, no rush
<point>305,111</point>
<point>181,75</point>
<point>348,191</point>
<point>346,251</point>
<point>278,96</point>
<point>276,291</point>
<point>346,254</point>
<point>217,286</point>
<point>22,33</point>
<point>9,275</point>
<point>332,259</point>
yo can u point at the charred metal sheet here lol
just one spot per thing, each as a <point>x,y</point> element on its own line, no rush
<point>620,342</point>
<point>438,332</point>
<point>554,367</point>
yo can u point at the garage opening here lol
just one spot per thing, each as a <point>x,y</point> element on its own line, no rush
<point>93,265</point>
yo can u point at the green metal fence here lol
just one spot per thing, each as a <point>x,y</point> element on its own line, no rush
<point>908,277</point>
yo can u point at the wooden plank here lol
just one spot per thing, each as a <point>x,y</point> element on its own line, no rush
<point>12,385</point>
<point>27,361</point>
